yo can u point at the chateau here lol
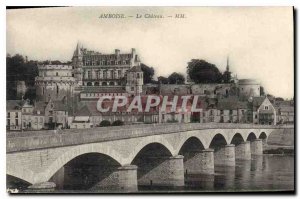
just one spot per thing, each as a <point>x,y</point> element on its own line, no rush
<point>67,95</point>
<point>91,75</point>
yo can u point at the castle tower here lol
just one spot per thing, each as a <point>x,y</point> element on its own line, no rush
<point>77,63</point>
<point>54,82</point>
<point>135,79</point>
<point>21,89</point>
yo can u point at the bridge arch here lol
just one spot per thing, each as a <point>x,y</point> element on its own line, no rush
<point>190,144</point>
<point>75,152</point>
<point>196,136</point>
<point>20,172</point>
<point>252,136</point>
<point>237,139</point>
<point>143,143</point>
<point>263,135</point>
<point>218,140</point>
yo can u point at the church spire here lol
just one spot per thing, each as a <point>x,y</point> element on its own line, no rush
<point>227,66</point>
<point>77,51</point>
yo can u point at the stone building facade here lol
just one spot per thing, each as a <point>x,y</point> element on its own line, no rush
<point>54,82</point>
<point>89,74</point>
<point>249,88</point>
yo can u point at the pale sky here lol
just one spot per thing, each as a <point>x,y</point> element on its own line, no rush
<point>258,40</point>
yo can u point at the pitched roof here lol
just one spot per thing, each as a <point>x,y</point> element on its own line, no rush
<point>59,106</point>
<point>135,69</point>
<point>257,101</point>
<point>228,104</point>
<point>287,109</point>
<point>14,104</point>
<point>83,111</point>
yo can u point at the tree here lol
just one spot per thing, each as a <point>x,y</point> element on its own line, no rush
<point>176,78</point>
<point>279,99</point>
<point>226,77</point>
<point>200,71</point>
<point>19,69</point>
<point>104,123</point>
<point>117,123</point>
<point>148,73</point>
<point>163,80</point>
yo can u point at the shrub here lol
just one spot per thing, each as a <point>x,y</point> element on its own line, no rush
<point>105,123</point>
<point>117,123</point>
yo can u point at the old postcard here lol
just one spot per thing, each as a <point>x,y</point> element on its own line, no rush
<point>150,100</point>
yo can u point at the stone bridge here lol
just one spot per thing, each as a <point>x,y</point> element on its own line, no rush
<point>129,156</point>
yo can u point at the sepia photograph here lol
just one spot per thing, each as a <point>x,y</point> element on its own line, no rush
<point>148,100</point>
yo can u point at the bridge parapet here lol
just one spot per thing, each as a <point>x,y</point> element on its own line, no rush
<point>47,139</point>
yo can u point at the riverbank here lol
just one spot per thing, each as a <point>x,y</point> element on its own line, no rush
<point>280,142</point>
<point>282,151</point>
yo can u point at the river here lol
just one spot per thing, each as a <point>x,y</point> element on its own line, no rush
<point>261,173</point>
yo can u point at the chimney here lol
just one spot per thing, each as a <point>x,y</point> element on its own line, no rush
<point>117,51</point>
<point>133,51</point>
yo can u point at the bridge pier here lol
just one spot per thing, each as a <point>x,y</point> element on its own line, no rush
<point>225,155</point>
<point>43,187</point>
<point>124,179</point>
<point>200,162</point>
<point>162,171</point>
<point>243,151</point>
<point>256,147</point>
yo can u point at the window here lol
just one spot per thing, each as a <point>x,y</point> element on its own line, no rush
<point>56,73</point>
<point>17,121</point>
<point>8,114</point>
<point>266,107</point>
<point>90,74</point>
<point>17,114</point>
<point>132,88</point>
<point>255,116</point>
<point>230,112</point>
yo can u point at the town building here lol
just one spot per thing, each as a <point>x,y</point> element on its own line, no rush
<point>262,111</point>
<point>285,112</point>
<point>14,114</point>
<point>21,115</point>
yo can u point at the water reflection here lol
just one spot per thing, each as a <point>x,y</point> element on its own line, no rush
<point>261,173</point>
